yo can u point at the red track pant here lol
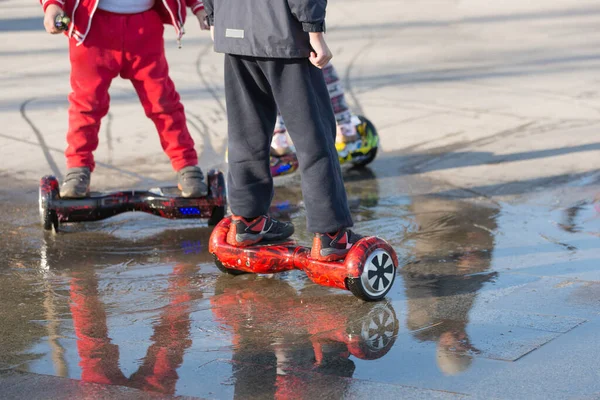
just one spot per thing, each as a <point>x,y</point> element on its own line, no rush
<point>131,46</point>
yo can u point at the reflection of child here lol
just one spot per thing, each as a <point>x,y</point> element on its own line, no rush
<point>454,247</point>
<point>99,356</point>
<point>273,52</point>
<point>108,38</point>
<point>346,130</point>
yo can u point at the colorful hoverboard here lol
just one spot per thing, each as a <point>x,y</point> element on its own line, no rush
<point>368,270</point>
<point>364,152</point>
<point>358,154</point>
<point>164,202</point>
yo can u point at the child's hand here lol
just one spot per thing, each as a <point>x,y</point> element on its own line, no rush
<point>321,54</point>
<point>201,15</point>
<point>52,11</point>
<point>212,33</point>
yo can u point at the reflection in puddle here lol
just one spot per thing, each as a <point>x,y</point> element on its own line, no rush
<point>137,301</point>
<point>285,331</point>
<point>576,217</point>
<point>452,249</point>
<point>99,357</point>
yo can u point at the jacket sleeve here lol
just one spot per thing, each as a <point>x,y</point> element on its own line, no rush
<point>46,3</point>
<point>209,6</point>
<point>310,12</point>
<point>195,5</point>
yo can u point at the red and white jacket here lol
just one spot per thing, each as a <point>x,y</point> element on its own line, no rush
<point>81,12</point>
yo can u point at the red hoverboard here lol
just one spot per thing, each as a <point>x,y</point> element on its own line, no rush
<point>368,270</point>
<point>164,202</point>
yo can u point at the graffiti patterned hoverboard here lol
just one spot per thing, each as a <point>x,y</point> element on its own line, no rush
<point>165,202</point>
<point>364,153</point>
<point>368,270</point>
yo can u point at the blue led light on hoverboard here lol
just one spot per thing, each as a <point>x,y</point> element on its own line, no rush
<point>189,210</point>
<point>284,168</point>
<point>284,205</point>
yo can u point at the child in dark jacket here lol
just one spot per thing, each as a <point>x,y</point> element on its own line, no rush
<point>347,138</point>
<point>108,38</point>
<point>274,52</point>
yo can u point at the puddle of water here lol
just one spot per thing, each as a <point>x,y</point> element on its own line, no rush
<point>136,300</point>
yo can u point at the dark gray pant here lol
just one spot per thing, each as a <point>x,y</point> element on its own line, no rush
<point>254,87</point>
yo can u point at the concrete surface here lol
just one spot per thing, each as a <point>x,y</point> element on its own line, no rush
<point>487,186</point>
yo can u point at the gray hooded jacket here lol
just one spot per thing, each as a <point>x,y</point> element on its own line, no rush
<point>265,28</point>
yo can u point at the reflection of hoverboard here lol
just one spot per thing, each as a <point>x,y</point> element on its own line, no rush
<point>361,154</point>
<point>163,202</point>
<point>368,270</point>
<point>368,330</point>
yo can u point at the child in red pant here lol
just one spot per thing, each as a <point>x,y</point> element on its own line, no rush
<point>110,38</point>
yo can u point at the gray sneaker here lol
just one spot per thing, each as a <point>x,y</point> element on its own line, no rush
<point>77,183</point>
<point>190,180</point>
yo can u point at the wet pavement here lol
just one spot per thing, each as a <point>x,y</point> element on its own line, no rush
<point>487,185</point>
<point>493,299</point>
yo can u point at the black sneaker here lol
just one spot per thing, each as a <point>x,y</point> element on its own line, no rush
<point>76,184</point>
<point>190,180</point>
<point>243,232</point>
<point>334,247</point>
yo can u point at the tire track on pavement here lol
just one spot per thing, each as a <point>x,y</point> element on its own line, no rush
<point>347,82</point>
<point>207,85</point>
<point>59,151</point>
<point>204,130</point>
<point>41,140</point>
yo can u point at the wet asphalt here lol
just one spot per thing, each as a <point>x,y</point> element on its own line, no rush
<point>485,289</point>
<point>487,185</point>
